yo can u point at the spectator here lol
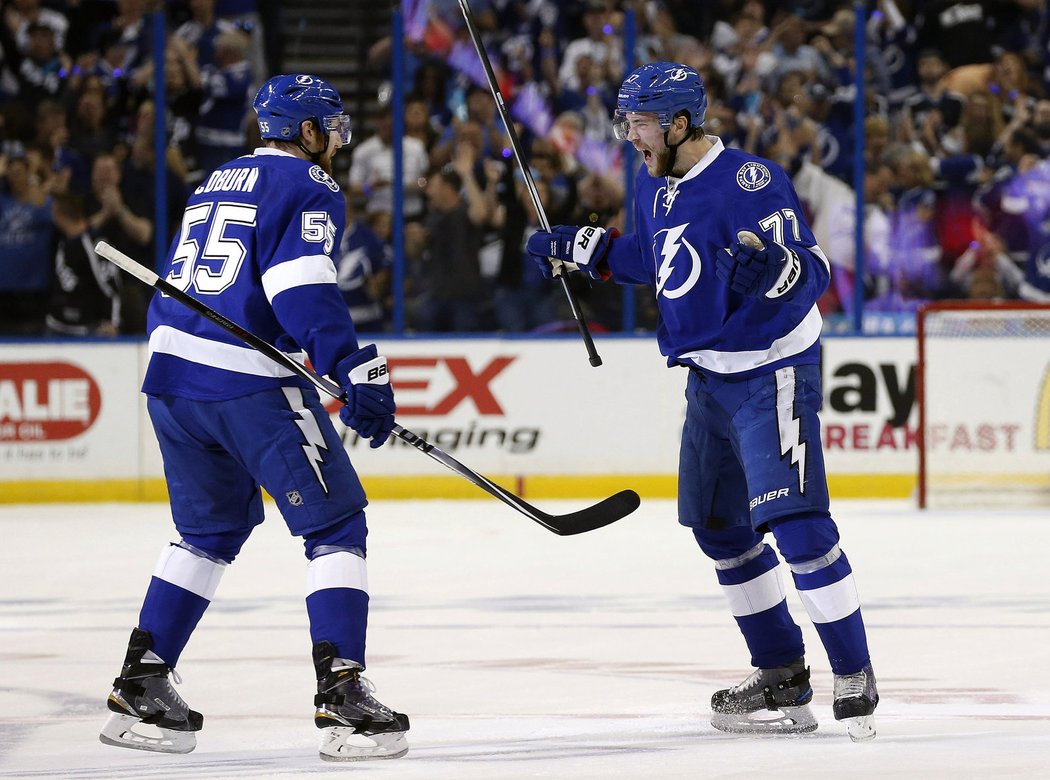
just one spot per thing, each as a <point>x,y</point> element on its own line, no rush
<point>372,170</point>
<point>599,44</point>
<point>792,53</point>
<point>94,135</point>
<point>21,15</point>
<point>226,86</point>
<point>915,251</point>
<point>480,111</point>
<point>121,220</point>
<point>203,30</point>
<point>961,29</point>
<point>86,297</point>
<point>127,33</point>
<point>447,244</point>
<point>42,71</point>
<point>25,247</point>
<point>363,266</point>
<point>523,299</point>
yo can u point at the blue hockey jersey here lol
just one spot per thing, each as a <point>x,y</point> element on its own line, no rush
<point>255,244</point>
<point>681,224</point>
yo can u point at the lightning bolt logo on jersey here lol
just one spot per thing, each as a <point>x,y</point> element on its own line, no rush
<point>702,322</point>
<point>668,245</point>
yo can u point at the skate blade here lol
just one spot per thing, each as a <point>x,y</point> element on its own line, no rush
<point>786,720</point>
<point>342,743</point>
<point>860,729</point>
<point>127,731</point>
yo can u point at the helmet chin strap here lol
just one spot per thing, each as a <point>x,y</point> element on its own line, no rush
<point>315,157</point>
<point>674,150</point>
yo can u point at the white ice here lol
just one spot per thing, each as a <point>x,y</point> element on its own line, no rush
<point>521,654</point>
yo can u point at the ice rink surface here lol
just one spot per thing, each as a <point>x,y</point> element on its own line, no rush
<point>520,654</point>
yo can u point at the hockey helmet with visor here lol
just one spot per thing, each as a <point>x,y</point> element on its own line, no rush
<point>285,102</point>
<point>666,89</point>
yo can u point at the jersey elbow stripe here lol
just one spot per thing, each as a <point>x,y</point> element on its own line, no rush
<point>337,570</point>
<point>757,595</point>
<point>216,354</point>
<point>183,569</point>
<point>832,602</point>
<point>823,257</point>
<point>310,269</point>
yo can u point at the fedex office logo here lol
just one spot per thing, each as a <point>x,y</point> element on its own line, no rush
<point>434,386</point>
<point>438,385</point>
<point>46,401</point>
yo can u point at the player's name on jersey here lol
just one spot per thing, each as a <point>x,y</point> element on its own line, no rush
<point>230,180</point>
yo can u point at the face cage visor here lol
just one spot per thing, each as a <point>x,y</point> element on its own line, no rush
<point>340,123</point>
<point>622,125</point>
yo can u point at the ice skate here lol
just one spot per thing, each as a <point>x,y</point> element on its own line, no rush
<point>855,700</point>
<point>769,701</point>
<point>356,727</point>
<point>148,714</point>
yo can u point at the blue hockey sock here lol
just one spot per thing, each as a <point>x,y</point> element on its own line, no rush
<point>825,584</point>
<point>755,592</point>
<point>181,589</point>
<point>337,602</point>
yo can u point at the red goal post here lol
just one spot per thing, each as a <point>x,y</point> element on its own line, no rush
<point>983,392</point>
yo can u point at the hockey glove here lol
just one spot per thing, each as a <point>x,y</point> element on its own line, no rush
<point>578,249</point>
<point>370,403</point>
<point>760,270</point>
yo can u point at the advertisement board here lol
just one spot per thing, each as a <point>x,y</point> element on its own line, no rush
<point>530,413</point>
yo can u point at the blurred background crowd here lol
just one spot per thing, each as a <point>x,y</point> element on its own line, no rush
<point>955,175</point>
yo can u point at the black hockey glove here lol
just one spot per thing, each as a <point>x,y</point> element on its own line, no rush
<point>578,248</point>
<point>760,270</point>
<point>370,403</point>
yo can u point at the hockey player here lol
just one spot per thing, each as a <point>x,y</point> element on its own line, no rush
<point>256,241</point>
<point>722,241</point>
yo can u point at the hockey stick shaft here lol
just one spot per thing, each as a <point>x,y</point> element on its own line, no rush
<point>562,526</point>
<point>526,172</point>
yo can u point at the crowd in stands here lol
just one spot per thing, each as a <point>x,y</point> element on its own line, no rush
<point>77,148</point>
<point>956,176</point>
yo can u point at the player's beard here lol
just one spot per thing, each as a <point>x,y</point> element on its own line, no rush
<point>325,161</point>
<point>662,163</point>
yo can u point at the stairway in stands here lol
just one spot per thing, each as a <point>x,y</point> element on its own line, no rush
<point>331,40</point>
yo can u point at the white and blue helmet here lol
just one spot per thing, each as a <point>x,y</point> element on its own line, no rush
<point>285,102</point>
<point>666,89</point>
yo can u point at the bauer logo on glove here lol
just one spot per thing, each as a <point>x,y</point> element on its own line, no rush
<point>752,267</point>
<point>576,248</point>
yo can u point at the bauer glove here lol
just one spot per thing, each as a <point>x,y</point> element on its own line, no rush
<point>370,403</point>
<point>578,248</point>
<point>760,270</point>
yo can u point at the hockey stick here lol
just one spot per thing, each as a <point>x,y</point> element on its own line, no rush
<point>526,172</point>
<point>608,511</point>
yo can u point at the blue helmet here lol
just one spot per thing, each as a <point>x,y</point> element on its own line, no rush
<point>285,102</point>
<point>662,88</point>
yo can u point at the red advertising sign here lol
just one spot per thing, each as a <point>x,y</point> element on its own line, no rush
<point>46,401</point>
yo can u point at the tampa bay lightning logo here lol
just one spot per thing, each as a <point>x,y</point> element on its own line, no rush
<point>675,252</point>
<point>753,176</point>
<point>304,80</point>
<point>318,175</point>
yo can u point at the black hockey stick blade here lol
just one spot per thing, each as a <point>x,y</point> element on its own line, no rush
<point>601,514</point>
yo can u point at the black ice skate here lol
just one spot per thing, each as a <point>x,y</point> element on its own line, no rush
<point>855,700</point>
<point>148,714</point>
<point>356,727</point>
<point>769,701</point>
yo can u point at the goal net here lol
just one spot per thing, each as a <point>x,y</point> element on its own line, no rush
<point>984,404</point>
